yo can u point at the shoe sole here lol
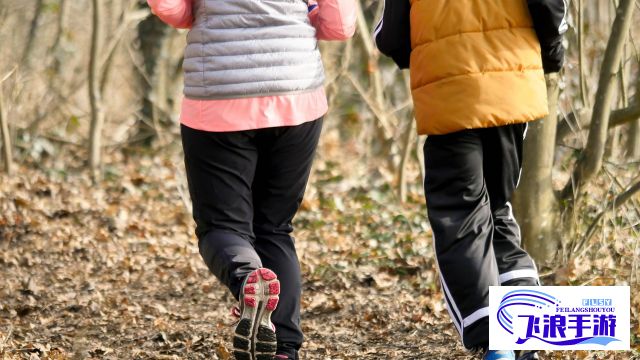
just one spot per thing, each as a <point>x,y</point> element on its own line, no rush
<point>254,336</point>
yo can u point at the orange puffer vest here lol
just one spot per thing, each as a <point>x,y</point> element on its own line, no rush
<point>474,64</point>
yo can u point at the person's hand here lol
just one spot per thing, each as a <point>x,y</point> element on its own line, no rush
<point>550,23</point>
<point>553,56</point>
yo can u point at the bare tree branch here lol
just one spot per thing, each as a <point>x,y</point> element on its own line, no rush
<point>375,76</point>
<point>580,120</point>
<point>591,160</point>
<point>615,204</point>
<point>4,127</point>
<point>95,98</point>
<point>26,55</point>
<point>571,123</point>
<point>62,13</point>
<point>633,145</point>
<point>6,138</point>
<point>626,115</point>
<point>409,144</point>
<point>129,18</point>
<point>373,106</point>
<point>584,97</point>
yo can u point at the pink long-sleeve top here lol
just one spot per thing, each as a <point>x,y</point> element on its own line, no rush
<point>333,20</point>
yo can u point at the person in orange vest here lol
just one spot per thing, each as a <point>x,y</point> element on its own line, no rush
<point>477,77</point>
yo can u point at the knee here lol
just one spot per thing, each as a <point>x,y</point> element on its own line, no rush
<point>220,247</point>
<point>267,229</point>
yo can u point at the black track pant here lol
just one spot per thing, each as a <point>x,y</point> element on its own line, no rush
<point>246,187</point>
<point>470,177</point>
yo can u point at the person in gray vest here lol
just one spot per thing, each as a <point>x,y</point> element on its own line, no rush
<point>250,122</point>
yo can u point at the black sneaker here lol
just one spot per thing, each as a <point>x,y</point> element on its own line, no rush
<point>255,336</point>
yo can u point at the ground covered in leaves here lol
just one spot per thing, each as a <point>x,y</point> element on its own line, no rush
<point>112,271</point>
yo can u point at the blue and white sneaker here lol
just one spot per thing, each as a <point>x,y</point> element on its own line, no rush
<point>528,355</point>
<point>499,355</point>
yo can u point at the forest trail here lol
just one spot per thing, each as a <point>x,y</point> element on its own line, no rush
<point>113,272</point>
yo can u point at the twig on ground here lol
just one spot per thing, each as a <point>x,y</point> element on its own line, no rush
<point>617,202</point>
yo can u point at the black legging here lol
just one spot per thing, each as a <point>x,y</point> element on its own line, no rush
<point>246,187</point>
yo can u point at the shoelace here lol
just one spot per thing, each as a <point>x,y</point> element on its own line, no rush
<point>236,312</point>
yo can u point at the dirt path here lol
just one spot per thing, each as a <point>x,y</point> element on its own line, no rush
<point>111,272</point>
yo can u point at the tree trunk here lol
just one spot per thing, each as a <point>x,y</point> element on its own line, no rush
<point>95,98</point>
<point>633,147</point>
<point>584,97</point>
<point>62,13</point>
<point>26,55</point>
<point>153,35</point>
<point>6,137</point>
<point>409,144</point>
<point>590,161</point>
<point>613,147</point>
<point>633,141</point>
<point>376,88</point>
<point>534,202</point>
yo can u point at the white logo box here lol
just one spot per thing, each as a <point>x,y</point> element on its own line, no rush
<point>559,318</point>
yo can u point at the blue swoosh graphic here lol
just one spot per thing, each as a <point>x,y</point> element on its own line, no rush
<point>600,340</point>
<point>507,324</point>
<point>507,313</point>
<point>512,304</point>
<point>529,292</point>
<point>530,295</point>
<point>504,306</point>
<point>522,299</point>
<point>501,313</point>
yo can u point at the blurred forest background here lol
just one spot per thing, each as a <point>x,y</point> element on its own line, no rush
<point>97,256</point>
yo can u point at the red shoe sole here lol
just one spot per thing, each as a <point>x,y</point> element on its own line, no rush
<point>255,336</point>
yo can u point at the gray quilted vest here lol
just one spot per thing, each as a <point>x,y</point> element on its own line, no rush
<point>249,48</point>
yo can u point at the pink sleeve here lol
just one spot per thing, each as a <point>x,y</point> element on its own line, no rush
<point>177,13</point>
<point>333,19</point>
